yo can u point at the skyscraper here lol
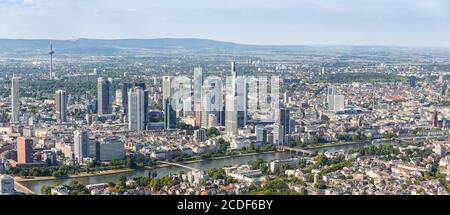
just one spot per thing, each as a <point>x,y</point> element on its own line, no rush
<point>198,83</point>
<point>126,88</point>
<point>104,96</point>
<point>261,134</point>
<point>136,111</point>
<point>412,81</point>
<point>335,102</point>
<point>24,150</point>
<point>231,116</point>
<point>169,112</point>
<point>14,100</point>
<point>241,100</point>
<point>167,89</point>
<point>284,119</point>
<point>61,106</point>
<point>278,134</point>
<point>170,120</point>
<point>330,97</point>
<point>81,145</point>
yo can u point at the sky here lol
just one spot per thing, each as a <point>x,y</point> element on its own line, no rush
<point>265,22</point>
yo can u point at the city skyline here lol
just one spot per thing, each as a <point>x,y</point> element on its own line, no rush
<point>306,22</point>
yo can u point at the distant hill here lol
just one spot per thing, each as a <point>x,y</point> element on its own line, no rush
<point>123,43</point>
<point>117,46</point>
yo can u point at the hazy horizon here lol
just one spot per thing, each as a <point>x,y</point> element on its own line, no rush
<point>406,23</point>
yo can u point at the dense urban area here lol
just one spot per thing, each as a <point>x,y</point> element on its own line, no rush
<point>93,117</point>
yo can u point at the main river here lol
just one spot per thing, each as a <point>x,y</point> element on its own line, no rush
<point>35,186</point>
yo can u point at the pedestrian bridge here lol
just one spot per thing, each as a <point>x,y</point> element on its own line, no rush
<point>291,149</point>
<point>180,165</point>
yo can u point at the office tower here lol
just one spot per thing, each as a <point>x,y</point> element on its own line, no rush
<point>412,81</point>
<point>15,100</point>
<point>330,97</point>
<point>169,115</point>
<point>61,106</point>
<point>125,88</point>
<point>206,105</point>
<point>24,150</point>
<point>231,115</point>
<point>81,145</point>
<point>284,119</point>
<point>339,101</point>
<point>169,112</point>
<point>261,134</point>
<point>51,52</point>
<point>241,101</point>
<point>136,112</point>
<point>6,185</point>
<point>221,117</point>
<point>94,149</point>
<point>111,148</point>
<point>335,102</point>
<point>278,134</point>
<point>167,88</point>
<point>187,107</point>
<point>104,96</point>
<point>200,135</point>
<point>198,84</point>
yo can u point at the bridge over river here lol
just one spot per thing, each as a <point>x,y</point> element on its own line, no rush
<point>180,165</point>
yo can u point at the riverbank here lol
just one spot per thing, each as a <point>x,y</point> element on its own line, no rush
<point>336,144</point>
<point>118,171</point>
<point>80,175</point>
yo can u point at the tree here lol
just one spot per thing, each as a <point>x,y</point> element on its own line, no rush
<point>46,190</point>
<point>122,178</point>
<point>152,174</point>
<point>212,132</point>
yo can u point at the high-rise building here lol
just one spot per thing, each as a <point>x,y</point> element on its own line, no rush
<point>81,145</point>
<point>24,150</point>
<point>167,88</point>
<point>335,102</point>
<point>339,103</point>
<point>104,96</point>
<point>231,114</point>
<point>283,119</point>
<point>15,100</point>
<point>6,185</point>
<point>94,149</point>
<point>169,112</point>
<point>412,81</point>
<point>125,88</point>
<point>241,101</point>
<point>261,134</point>
<point>330,97</point>
<point>170,118</point>
<point>200,135</point>
<point>136,112</point>
<point>111,148</point>
<point>278,135</point>
<point>61,105</point>
<point>198,84</point>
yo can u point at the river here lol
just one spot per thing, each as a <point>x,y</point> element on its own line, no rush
<point>35,186</point>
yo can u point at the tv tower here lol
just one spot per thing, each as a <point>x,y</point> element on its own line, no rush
<point>51,52</point>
